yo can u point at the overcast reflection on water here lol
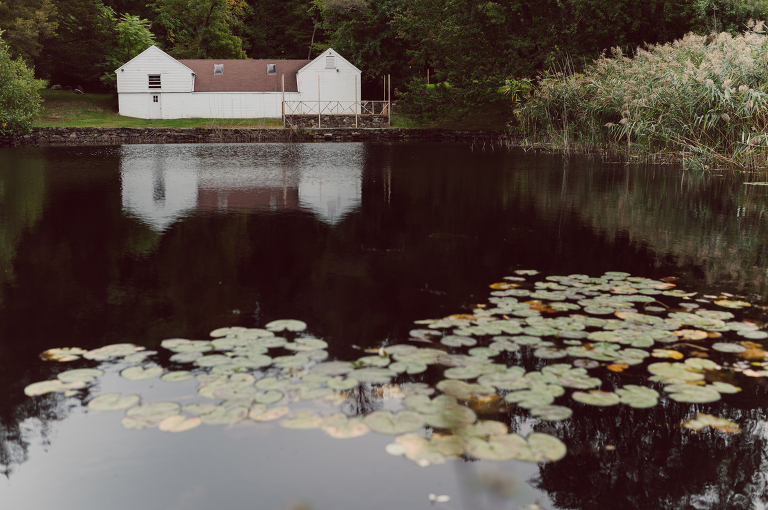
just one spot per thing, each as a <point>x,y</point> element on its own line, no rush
<point>142,243</point>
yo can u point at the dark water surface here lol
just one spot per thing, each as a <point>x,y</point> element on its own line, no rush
<point>142,243</point>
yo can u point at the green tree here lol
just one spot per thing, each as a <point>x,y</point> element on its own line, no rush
<point>361,31</point>
<point>281,29</point>
<point>201,28</point>
<point>75,54</point>
<point>19,97</point>
<point>132,36</point>
<point>25,22</point>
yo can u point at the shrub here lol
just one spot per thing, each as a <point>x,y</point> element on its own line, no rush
<point>19,97</point>
<point>706,96</point>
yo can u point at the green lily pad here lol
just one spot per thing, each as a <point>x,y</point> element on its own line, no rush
<point>498,448</point>
<point>261,412</point>
<point>269,397</point>
<point>373,361</point>
<point>725,347</point>
<point>409,367</point>
<point>483,352</point>
<point>113,402</point>
<point>723,387</point>
<point>550,353</point>
<point>223,415</point>
<point>551,412</point>
<point>753,335</point>
<point>177,376</point>
<point>638,396</point>
<point>138,373</point>
<point>111,351</point>
<point>463,390</point>
<point>302,420</point>
<point>138,357</point>
<point>675,372</point>
<point>81,374</point>
<point>179,423</point>
<point>342,427</point>
<point>596,398</point>
<point>530,398</point>
<point>546,448</point>
<point>294,361</point>
<point>343,384</point>
<point>306,344</point>
<point>149,415</point>
<point>458,341</point>
<point>384,422</point>
<point>332,368</point>
<point>469,372</point>
<point>184,345</point>
<point>692,394</point>
<point>213,360</point>
<point>186,357</point>
<point>286,325</point>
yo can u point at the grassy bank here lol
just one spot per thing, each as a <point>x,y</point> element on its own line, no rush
<point>63,108</point>
<point>66,109</point>
<point>700,100</point>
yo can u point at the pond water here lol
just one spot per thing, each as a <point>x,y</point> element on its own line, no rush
<point>140,244</point>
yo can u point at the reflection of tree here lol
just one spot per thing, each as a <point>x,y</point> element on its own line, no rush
<point>656,464</point>
<point>362,400</point>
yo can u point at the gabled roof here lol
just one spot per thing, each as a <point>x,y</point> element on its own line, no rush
<point>330,51</point>
<point>244,75</point>
<point>156,51</point>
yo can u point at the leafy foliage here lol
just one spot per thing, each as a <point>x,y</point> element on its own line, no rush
<point>19,99</point>
<point>132,37</point>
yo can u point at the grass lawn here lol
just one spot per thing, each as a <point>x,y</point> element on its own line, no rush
<point>63,108</point>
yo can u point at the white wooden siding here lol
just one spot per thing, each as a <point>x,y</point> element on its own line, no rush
<point>334,85</point>
<point>134,75</point>
<point>207,105</point>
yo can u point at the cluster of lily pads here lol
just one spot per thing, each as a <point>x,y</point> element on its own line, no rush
<point>590,326</point>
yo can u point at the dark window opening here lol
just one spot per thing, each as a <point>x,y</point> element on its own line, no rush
<point>154,81</point>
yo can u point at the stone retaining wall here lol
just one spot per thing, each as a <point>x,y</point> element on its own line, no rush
<point>75,136</point>
<point>337,121</point>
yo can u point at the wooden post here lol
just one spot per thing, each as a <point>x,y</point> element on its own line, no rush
<point>318,101</point>
<point>355,101</point>
<point>283,94</point>
<point>389,100</point>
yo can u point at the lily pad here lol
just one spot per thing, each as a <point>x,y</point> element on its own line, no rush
<point>726,347</point>
<point>342,427</point>
<point>81,374</point>
<point>703,421</point>
<point>596,398</point>
<point>384,422</point>
<point>286,325</point>
<point>112,351</point>
<point>551,412</point>
<point>692,394</point>
<point>458,341</point>
<point>343,384</point>
<point>302,420</point>
<point>332,368</point>
<point>177,376</point>
<point>638,396</point>
<point>63,354</point>
<point>138,373</point>
<point>261,412</point>
<point>113,402</point>
<point>409,367</point>
<point>373,375</point>
<point>179,423</point>
<point>149,415</point>
<point>529,398</point>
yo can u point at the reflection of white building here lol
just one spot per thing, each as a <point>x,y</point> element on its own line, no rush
<point>162,184</point>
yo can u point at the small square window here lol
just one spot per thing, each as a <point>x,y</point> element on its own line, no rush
<point>218,68</point>
<point>154,81</point>
<point>271,68</point>
<point>154,99</point>
<point>330,62</point>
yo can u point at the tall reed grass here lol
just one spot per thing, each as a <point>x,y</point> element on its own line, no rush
<point>702,100</point>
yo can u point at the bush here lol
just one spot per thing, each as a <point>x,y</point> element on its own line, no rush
<point>19,97</point>
<point>705,96</point>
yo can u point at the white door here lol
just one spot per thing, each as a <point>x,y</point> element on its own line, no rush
<point>155,106</point>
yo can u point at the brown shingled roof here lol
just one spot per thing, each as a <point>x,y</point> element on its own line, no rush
<point>244,75</point>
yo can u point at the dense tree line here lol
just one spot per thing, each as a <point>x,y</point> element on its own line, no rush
<point>476,46</point>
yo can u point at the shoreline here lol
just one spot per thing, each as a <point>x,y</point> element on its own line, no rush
<point>93,136</point>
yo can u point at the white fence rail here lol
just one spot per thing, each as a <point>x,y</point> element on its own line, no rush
<point>336,107</point>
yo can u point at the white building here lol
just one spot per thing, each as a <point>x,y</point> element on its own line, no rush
<point>154,85</point>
